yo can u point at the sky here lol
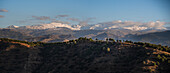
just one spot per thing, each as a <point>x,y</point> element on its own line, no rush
<point>32,12</point>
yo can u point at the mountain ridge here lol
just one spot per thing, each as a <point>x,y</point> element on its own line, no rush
<point>128,25</point>
<point>44,34</point>
<point>154,37</point>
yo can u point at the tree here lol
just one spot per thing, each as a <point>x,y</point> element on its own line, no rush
<point>117,40</point>
<point>123,40</point>
<point>158,63</point>
<point>120,41</point>
<point>74,41</point>
<point>107,39</point>
<point>91,39</point>
<point>159,57</point>
<point>110,39</point>
<point>108,49</point>
<point>96,39</point>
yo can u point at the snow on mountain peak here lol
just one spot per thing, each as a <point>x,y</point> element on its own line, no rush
<point>51,25</point>
<point>13,26</point>
<point>130,25</point>
<point>136,28</point>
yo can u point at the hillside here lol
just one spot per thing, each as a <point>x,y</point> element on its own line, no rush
<point>83,55</point>
<point>37,35</point>
<point>13,34</point>
<point>156,37</point>
<point>47,35</point>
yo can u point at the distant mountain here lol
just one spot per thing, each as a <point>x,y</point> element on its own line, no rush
<point>127,25</point>
<point>52,34</point>
<point>47,26</point>
<point>37,35</point>
<point>156,37</point>
<point>117,29</point>
<point>12,27</point>
<point>13,34</point>
<point>168,28</point>
<point>102,36</point>
<point>51,38</point>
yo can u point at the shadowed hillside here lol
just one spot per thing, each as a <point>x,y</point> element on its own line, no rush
<point>61,34</point>
<point>156,37</point>
<point>83,55</point>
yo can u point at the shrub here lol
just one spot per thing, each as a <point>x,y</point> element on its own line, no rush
<point>108,49</point>
<point>159,57</point>
<point>158,63</point>
<point>107,39</point>
<point>154,64</point>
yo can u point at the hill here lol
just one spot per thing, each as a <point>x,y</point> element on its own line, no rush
<point>32,35</point>
<point>156,37</point>
<point>13,34</point>
<point>83,55</point>
<point>46,34</point>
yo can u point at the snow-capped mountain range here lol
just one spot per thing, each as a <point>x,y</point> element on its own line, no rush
<point>134,26</point>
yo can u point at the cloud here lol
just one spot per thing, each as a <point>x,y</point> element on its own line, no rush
<point>63,22</point>
<point>58,16</point>
<point>1,16</point>
<point>22,21</point>
<point>86,21</point>
<point>82,22</point>
<point>41,17</point>
<point>157,25</point>
<point>3,10</point>
<point>73,19</point>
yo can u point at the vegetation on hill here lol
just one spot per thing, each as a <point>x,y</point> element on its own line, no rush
<point>83,55</point>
